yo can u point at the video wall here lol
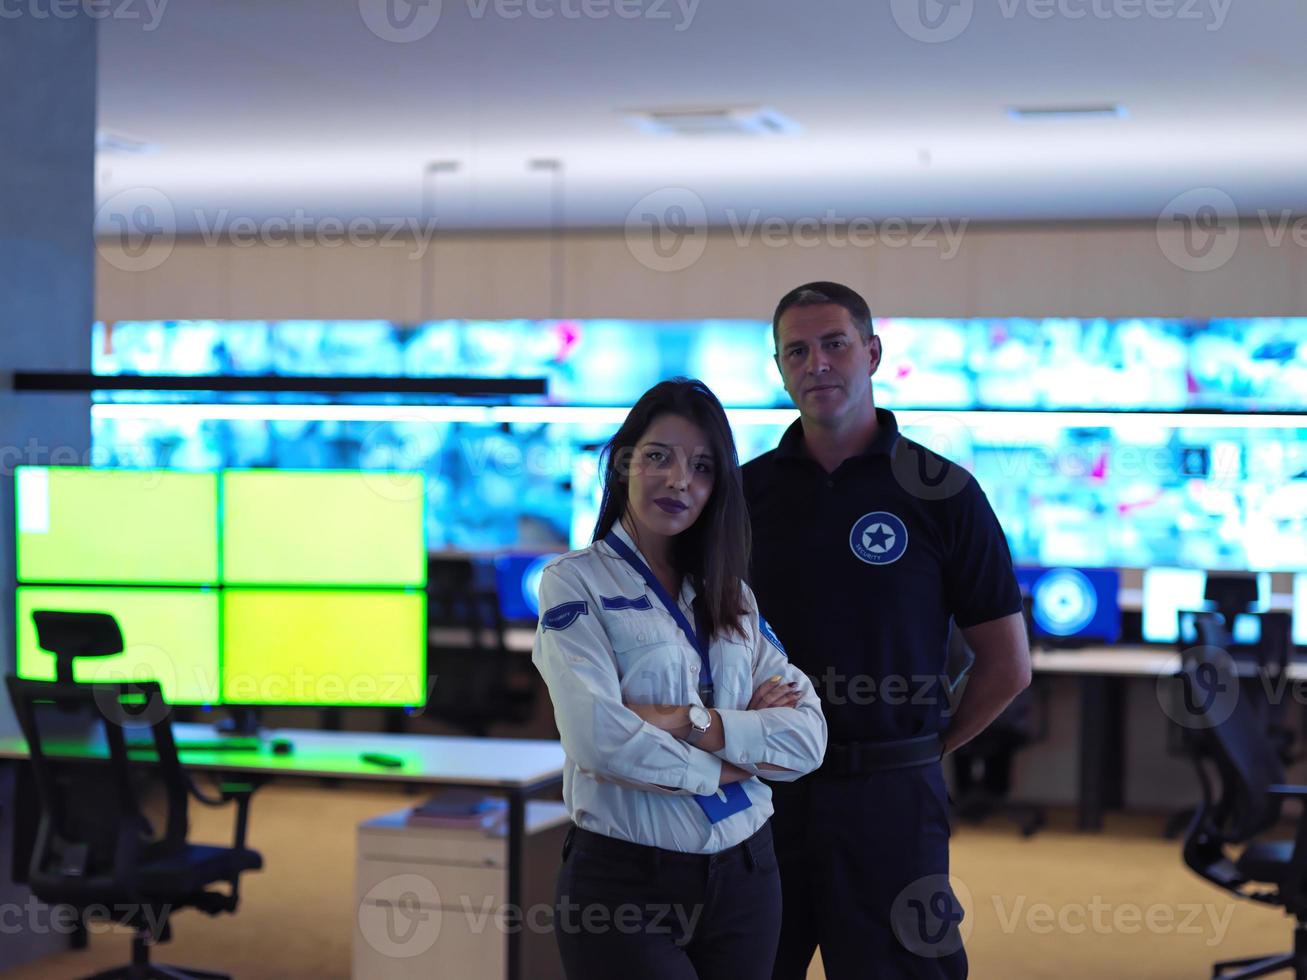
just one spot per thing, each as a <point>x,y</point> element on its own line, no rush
<point>1230,365</point>
<point>248,587</point>
<point>1101,443</point>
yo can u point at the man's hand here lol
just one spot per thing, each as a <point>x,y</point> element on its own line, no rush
<point>775,693</point>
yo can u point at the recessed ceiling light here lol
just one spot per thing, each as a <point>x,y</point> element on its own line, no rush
<point>1065,113</point>
<point>721,121</point>
<point>107,141</point>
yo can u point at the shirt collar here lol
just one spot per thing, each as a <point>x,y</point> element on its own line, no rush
<point>887,437</point>
<point>687,589</point>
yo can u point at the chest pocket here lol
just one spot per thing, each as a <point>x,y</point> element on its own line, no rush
<point>650,662</point>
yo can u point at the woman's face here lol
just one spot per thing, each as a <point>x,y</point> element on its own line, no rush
<point>671,477</point>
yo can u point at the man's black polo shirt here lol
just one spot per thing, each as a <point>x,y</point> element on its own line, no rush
<point>859,571</point>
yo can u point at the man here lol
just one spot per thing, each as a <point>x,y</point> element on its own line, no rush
<point>866,546</point>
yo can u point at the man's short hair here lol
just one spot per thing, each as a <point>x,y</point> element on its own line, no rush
<point>825,294</point>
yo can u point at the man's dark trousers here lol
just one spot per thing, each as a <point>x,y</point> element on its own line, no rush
<point>864,874</point>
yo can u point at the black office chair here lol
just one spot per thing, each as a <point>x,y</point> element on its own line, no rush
<point>1264,663</point>
<point>474,681</point>
<point>1240,775</point>
<point>95,849</point>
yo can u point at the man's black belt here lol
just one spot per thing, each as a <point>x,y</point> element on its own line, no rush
<point>856,758</point>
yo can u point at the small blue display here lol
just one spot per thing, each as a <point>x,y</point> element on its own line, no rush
<point>517,579</point>
<point>1073,603</point>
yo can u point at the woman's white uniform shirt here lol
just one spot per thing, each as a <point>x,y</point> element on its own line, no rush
<point>604,639</point>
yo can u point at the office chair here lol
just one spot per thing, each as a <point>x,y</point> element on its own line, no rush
<point>1267,661</point>
<point>474,681</point>
<point>95,849</point>
<point>1239,772</point>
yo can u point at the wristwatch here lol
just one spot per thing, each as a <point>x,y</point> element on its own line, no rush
<point>700,722</point>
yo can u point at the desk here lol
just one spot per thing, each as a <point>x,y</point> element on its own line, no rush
<point>517,768</point>
<point>1102,672</point>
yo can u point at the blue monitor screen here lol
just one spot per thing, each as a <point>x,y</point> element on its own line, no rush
<point>517,580</point>
<point>1079,603</point>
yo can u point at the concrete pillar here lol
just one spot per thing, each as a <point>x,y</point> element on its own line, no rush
<point>47,203</point>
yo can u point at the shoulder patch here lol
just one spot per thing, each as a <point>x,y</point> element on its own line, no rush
<point>765,628</point>
<point>622,602</point>
<point>564,615</point>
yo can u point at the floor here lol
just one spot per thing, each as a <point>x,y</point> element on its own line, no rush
<point>1061,905</point>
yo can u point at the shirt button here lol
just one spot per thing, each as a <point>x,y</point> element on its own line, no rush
<point>830,484</point>
<point>694,669</point>
<point>639,637</point>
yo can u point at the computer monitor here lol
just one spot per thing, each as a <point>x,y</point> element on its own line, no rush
<point>79,525</point>
<point>323,528</point>
<point>1245,634</point>
<point>1073,604</point>
<point>346,647</point>
<point>169,636</point>
<point>1167,591</point>
<point>517,580</point>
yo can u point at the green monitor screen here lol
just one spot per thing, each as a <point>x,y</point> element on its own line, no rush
<point>324,647</point>
<point>110,527</point>
<point>323,528</point>
<point>169,635</point>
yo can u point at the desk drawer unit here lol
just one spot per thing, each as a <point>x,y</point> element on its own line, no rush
<point>429,900</point>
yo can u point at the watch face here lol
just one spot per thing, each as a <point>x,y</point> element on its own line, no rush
<point>699,717</point>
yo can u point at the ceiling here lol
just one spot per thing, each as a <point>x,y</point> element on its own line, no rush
<point>335,108</point>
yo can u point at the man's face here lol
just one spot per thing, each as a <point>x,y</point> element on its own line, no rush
<point>825,363</point>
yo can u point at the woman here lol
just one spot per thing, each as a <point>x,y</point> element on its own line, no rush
<point>672,697</point>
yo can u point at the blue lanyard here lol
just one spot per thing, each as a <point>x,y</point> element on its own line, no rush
<point>698,637</point>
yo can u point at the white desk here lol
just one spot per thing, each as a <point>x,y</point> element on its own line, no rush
<point>1126,661</point>
<point>1102,673</point>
